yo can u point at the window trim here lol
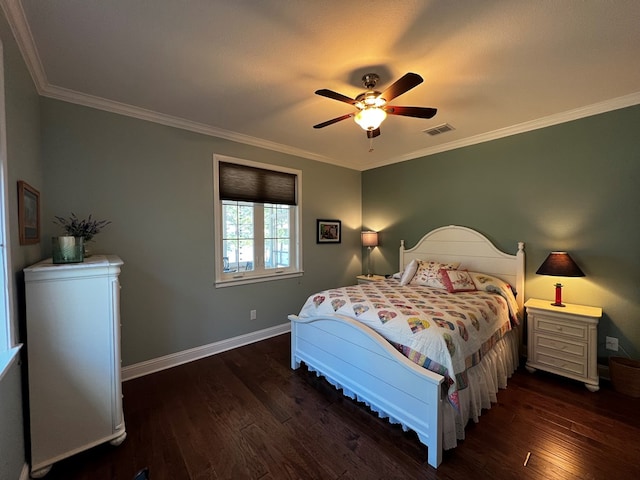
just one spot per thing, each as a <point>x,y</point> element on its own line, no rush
<point>242,278</point>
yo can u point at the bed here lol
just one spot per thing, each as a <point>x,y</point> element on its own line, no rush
<point>339,335</point>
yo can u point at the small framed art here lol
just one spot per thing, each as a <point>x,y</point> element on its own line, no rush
<point>329,231</point>
<point>28,213</point>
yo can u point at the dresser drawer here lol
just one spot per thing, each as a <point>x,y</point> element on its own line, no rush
<point>557,326</point>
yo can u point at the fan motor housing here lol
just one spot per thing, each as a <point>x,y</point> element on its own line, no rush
<point>370,80</point>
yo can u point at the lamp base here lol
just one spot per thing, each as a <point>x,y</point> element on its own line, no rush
<point>558,302</point>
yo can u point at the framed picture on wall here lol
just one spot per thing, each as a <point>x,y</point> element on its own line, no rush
<point>28,213</point>
<point>329,231</point>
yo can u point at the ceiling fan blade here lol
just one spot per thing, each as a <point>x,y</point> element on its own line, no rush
<point>373,133</point>
<point>333,120</point>
<point>402,85</point>
<point>420,112</point>
<point>335,96</point>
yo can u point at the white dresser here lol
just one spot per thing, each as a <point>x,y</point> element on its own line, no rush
<point>563,340</point>
<point>73,351</point>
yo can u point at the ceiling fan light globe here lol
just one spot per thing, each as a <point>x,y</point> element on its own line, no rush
<point>380,102</point>
<point>370,98</point>
<point>370,118</point>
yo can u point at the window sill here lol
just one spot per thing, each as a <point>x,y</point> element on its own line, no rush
<point>246,280</point>
<point>7,358</point>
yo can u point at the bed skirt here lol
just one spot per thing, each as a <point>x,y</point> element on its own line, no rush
<point>485,379</point>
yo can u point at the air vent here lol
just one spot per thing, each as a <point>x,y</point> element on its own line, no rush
<point>445,127</point>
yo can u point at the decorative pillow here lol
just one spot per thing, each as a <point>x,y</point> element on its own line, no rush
<point>457,280</point>
<point>409,272</point>
<point>428,273</point>
<point>490,283</point>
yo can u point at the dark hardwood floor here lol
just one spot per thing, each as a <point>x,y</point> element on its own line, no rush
<point>246,414</point>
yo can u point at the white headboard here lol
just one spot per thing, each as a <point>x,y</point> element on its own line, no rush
<point>475,252</point>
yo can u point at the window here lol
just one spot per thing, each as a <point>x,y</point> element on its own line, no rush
<point>8,352</point>
<point>257,221</point>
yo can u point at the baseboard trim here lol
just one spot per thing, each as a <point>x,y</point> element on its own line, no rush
<point>168,361</point>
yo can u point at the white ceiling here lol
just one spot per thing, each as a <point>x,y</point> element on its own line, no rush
<point>247,70</point>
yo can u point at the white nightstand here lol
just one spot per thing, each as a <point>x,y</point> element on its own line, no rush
<point>374,278</point>
<point>563,340</point>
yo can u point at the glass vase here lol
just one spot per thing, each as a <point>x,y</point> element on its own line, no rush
<point>67,249</point>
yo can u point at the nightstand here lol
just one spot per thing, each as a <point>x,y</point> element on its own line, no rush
<point>374,278</point>
<point>563,340</point>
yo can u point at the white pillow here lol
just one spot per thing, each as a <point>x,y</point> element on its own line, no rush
<point>409,272</point>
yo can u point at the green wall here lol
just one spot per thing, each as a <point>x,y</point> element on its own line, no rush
<point>155,183</point>
<point>23,163</point>
<point>573,187</point>
<point>12,452</point>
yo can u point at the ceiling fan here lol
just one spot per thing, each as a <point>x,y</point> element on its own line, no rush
<point>373,106</point>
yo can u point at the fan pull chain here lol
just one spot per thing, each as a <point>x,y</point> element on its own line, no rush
<point>371,145</point>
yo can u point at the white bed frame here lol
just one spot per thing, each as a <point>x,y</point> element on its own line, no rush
<point>367,368</point>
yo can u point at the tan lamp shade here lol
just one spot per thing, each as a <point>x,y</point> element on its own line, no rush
<point>369,239</point>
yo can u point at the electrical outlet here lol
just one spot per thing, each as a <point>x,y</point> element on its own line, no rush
<point>253,316</point>
<point>611,343</point>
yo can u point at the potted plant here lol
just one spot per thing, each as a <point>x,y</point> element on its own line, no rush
<point>86,228</point>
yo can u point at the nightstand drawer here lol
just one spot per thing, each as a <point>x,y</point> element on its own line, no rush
<point>575,367</point>
<point>561,348</point>
<point>557,326</point>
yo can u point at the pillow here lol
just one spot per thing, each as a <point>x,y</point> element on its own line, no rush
<point>428,273</point>
<point>457,280</point>
<point>489,283</point>
<point>409,272</point>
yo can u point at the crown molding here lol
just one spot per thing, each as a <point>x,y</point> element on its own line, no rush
<point>112,106</point>
<point>17,21</point>
<point>563,117</point>
<point>22,33</point>
<point>99,103</point>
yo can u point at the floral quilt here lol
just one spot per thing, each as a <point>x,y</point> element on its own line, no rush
<point>444,332</point>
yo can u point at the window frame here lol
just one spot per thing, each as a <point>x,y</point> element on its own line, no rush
<point>224,279</point>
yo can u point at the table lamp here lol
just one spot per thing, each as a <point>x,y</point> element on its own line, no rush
<point>369,240</point>
<point>559,264</point>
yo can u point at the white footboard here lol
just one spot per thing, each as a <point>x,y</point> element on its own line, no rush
<point>366,367</point>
